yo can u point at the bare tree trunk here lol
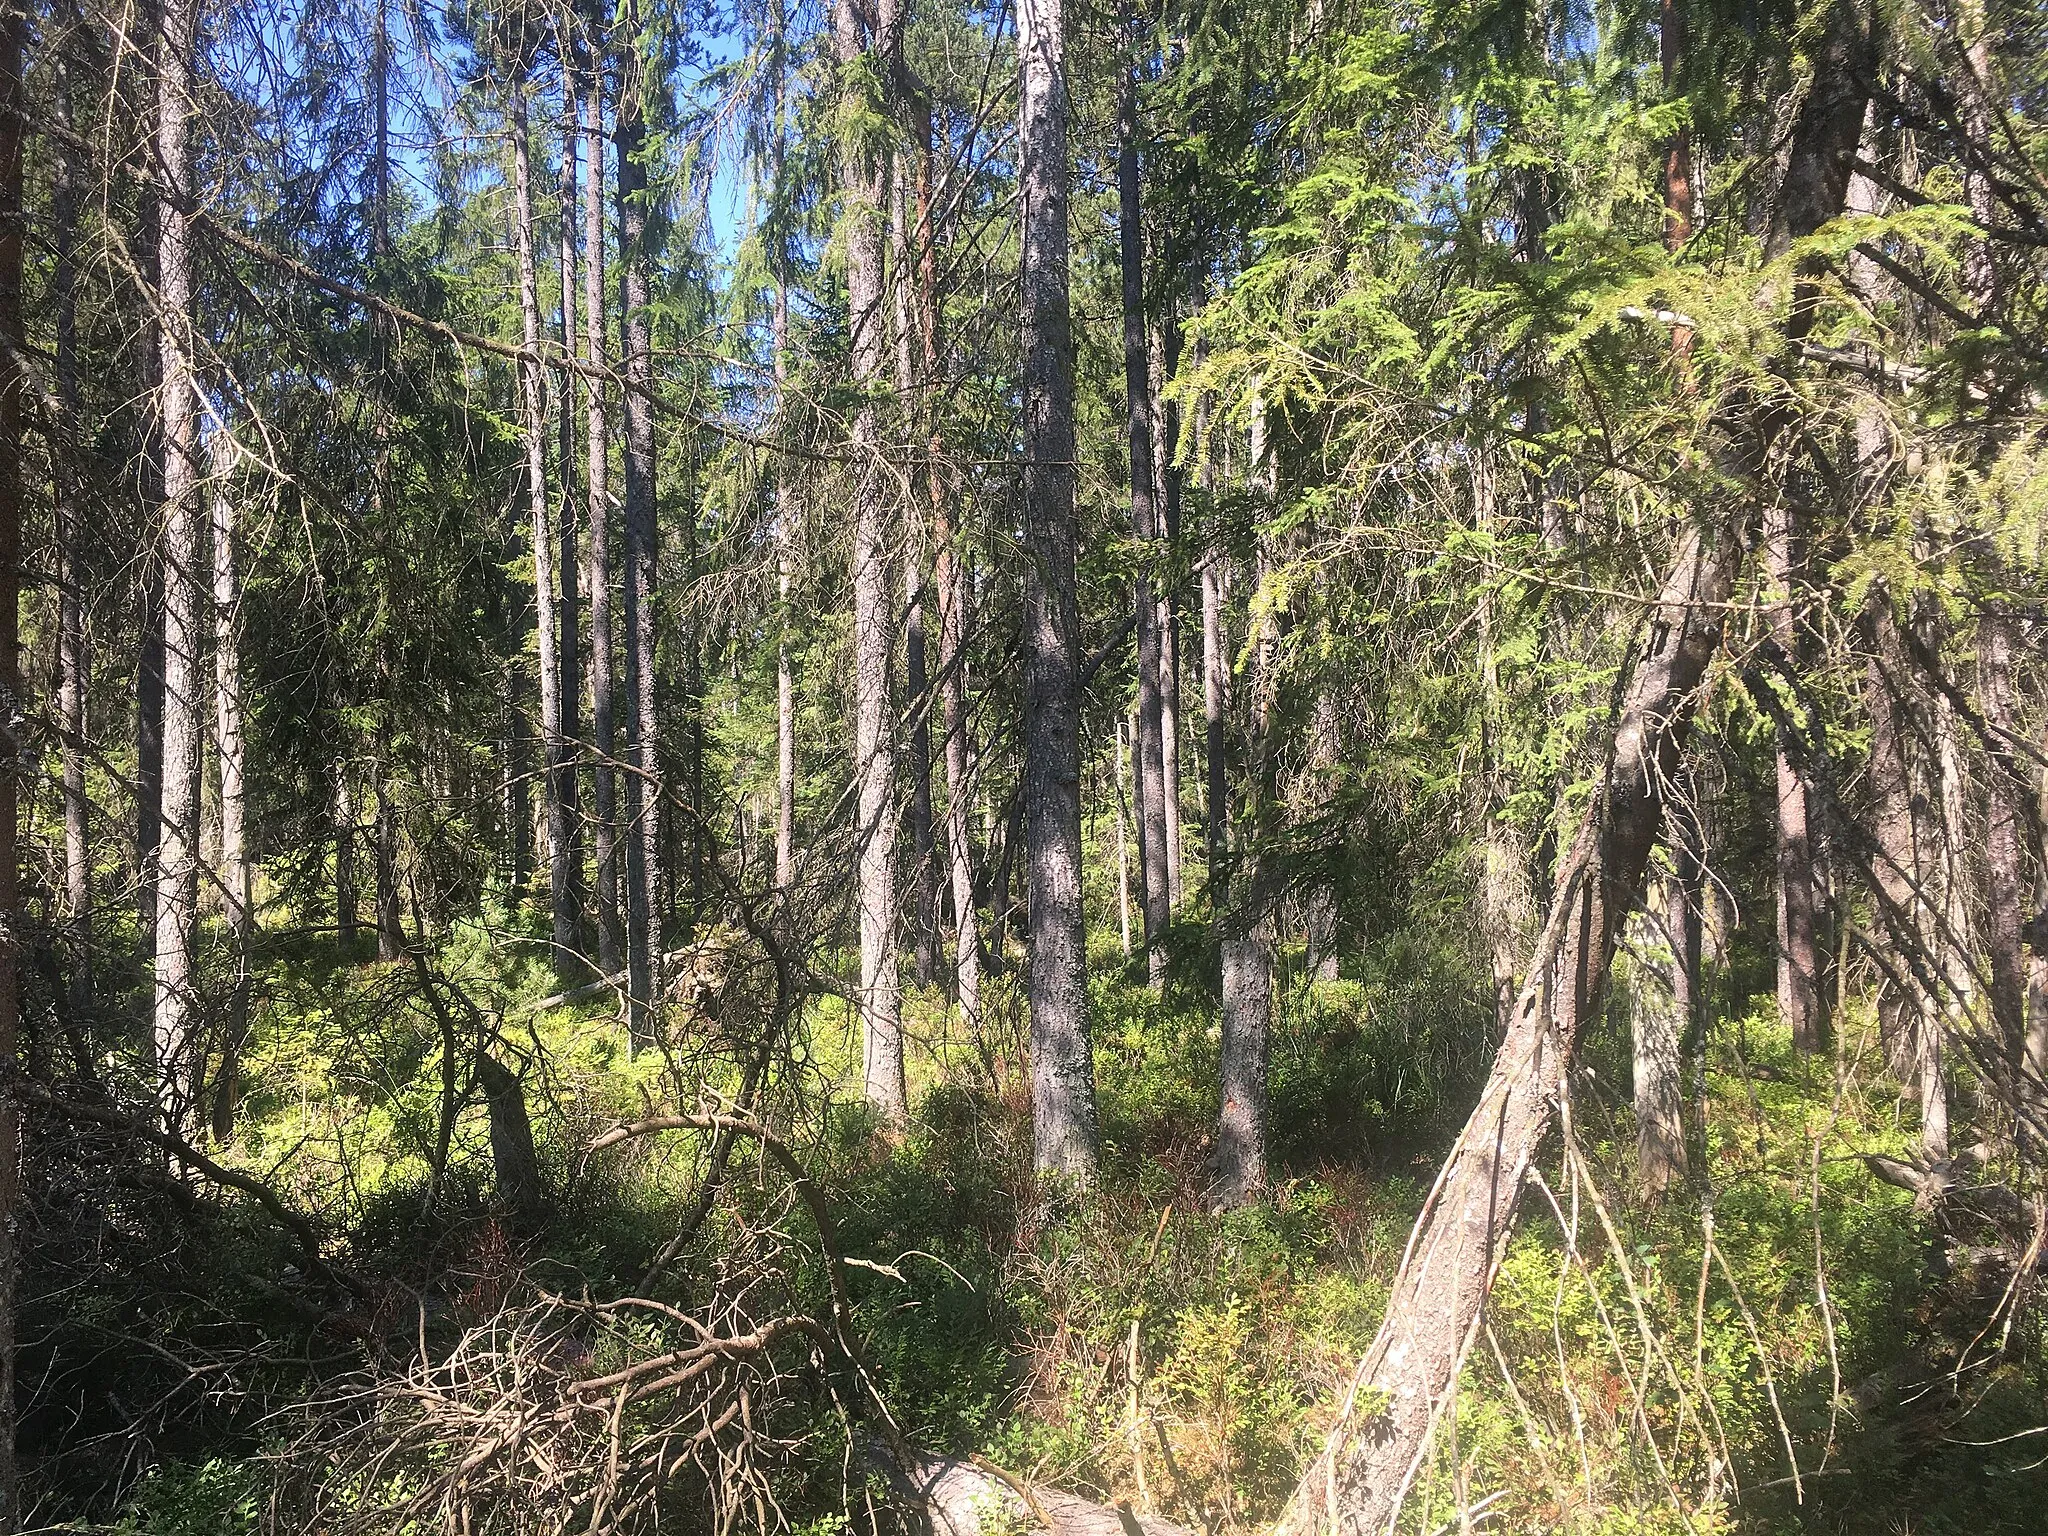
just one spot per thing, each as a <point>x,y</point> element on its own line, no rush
<point>1797,948</point>
<point>949,575</point>
<point>566,766</point>
<point>177,889</point>
<point>911,398</point>
<point>2007,887</point>
<point>512,1151</point>
<point>347,898</point>
<point>1123,846</point>
<point>1065,1139</point>
<point>384,826</point>
<point>611,945</point>
<point>1358,1482</point>
<point>13,387</point>
<point>73,659</point>
<point>864,175</point>
<point>643,783</point>
<point>236,860</point>
<point>1663,1009</point>
<point>1244,919</point>
<point>1319,901</point>
<point>1215,715</point>
<point>555,747</point>
<point>1148,749</point>
<point>785,667</point>
<point>1164,350</point>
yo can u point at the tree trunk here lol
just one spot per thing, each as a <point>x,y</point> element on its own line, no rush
<point>13,387</point>
<point>1123,847</point>
<point>785,665</point>
<point>347,899</point>
<point>1064,1134</point>
<point>949,576</point>
<point>1215,715</point>
<point>643,782</point>
<point>864,179</point>
<point>236,860</point>
<point>1798,949</point>
<point>1319,901</point>
<point>1148,749</point>
<point>1164,349</point>
<point>911,397</point>
<point>566,766</point>
<point>73,658</point>
<point>512,1152</point>
<point>597,483</point>
<point>555,746</point>
<point>1663,1009</point>
<point>2007,887</point>
<point>1244,918</point>
<point>1358,1482</point>
<point>177,886</point>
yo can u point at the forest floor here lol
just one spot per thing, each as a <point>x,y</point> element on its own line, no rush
<point>1784,1344</point>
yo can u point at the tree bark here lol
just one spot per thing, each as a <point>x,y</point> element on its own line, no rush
<point>1164,349</point>
<point>643,781</point>
<point>949,578</point>
<point>1798,952</point>
<point>73,658</point>
<point>912,395</point>
<point>236,859</point>
<point>177,884</point>
<point>13,389</point>
<point>567,764</point>
<point>1149,751</point>
<point>597,484</point>
<point>347,897</point>
<point>864,178</point>
<point>1358,1482</point>
<point>1244,919</point>
<point>555,746</point>
<point>1662,1008</point>
<point>2006,884</point>
<point>1065,1141</point>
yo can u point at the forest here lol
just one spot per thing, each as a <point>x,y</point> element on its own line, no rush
<point>1247,767</point>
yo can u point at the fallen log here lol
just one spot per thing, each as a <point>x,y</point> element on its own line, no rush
<point>972,1498</point>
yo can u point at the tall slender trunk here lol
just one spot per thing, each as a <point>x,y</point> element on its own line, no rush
<point>949,576</point>
<point>177,888</point>
<point>2006,886</point>
<point>1164,348</point>
<point>912,395</point>
<point>785,663</point>
<point>864,178</point>
<point>1798,950</point>
<point>1244,920</point>
<point>597,485</point>
<point>1064,1136</point>
<point>13,222</point>
<point>384,828</point>
<point>73,659</point>
<point>1358,1482</point>
<point>643,784</point>
<point>567,763</point>
<point>1215,717</point>
<point>1123,846</point>
<point>1319,900</point>
<point>555,746</point>
<point>236,860</point>
<point>342,813</point>
<point>1664,1008</point>
<point>1149,751</point>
